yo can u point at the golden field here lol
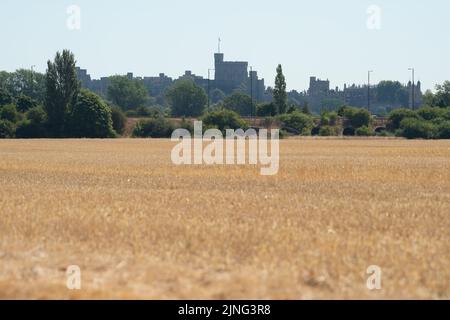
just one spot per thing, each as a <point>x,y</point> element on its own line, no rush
<point>140,227</point>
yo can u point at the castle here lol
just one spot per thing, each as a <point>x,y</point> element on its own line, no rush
<point>231,76</point>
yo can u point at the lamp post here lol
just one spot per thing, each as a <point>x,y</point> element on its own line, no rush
<point>368,89</point>
<point>413,90</point>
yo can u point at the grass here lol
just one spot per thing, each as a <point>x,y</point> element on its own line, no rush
<point>140,227</point>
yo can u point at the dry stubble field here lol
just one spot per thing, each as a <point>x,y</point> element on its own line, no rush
<point>140,227</point>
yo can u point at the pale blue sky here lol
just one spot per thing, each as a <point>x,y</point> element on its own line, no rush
<point>325,38</point>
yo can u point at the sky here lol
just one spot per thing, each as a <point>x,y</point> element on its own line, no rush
<point>335,40</point>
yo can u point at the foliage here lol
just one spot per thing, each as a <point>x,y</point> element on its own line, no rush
<point>396,116</point>
<point>24,103</point>
<point>90,117</point>
<point>327,131</point>
<point>5,97</point>
<point>266,110</point>
<point>298,121</point>
<point>62,88</point>
<point>119,119</point>
<point>127,93</point>
<point>186,99</point>
<point>158,127</point>
<point>279,92</point>
<point>240,103</point>
<point>9,113</point>
<point>7,129</point>
<point>357,117</point>
<point>365,131</point>
<point>224,119</point>
<point>413,128</point>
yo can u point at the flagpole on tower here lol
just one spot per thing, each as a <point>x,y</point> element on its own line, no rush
<point>219,44</point>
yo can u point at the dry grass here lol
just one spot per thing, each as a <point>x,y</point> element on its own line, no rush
<point>141,228</point>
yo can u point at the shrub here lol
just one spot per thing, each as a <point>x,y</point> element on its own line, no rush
<point>224,119</point>
<point>37,115</point>
<point>412,128</point>
<point>25,103</point>
<point>153,128</point>
<point>7,129</point>
<point>266,110</point>
<point>365,131</point>
<point>119,120</point>
<point>240,103</point>
<point>30,130</point>
<point>5,97</point>
<point>443,130</point>
<point>430,113</point>
<point>327,131</point>
<point>90,117</point>
<point>357,117</point>
<point>298,121</point>
<point>9,113</point>
<point>396,116</point>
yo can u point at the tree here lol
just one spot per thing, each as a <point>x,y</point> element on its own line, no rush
<point>356,116</point>
<point>442,96</point>
<point>28,83</point>
<point>9,112</point>
<point>305,108</point>
<point>5,97</point>
<point>396,116</point>
<point>217,95</point>
<point>119,120</point>
<point>158,127</point>
<point>62,88</point>
<point>300,122</point>
<point>186,99</point>
<point>127,93</point>
<point>24,103</point>
<point>90,117</point>
<point>6,129</point>
<point>279,92</point>
<point>240,103</point>
<point>266,110</point>
<point>224,119</point>
<point>34,126</point>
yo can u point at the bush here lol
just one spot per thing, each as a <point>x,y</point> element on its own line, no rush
<point>240,103</point>
<point>7,129</point>
<point>298,121</point>
<point>34,126</point>
<point>9,113</point>
<point>30,130</point>
<point>224,119</point>
<point>25,103</point>
<point>5,97</point>
<point>412,128</point>
<point>327,131</point>
<point>365,131</point>
<point>357,117</point>
<point>153,128</point>
<point>37,115</point>
<point>119,120</point>
<point>443,130</point>
<point>90,117</point>
<point>396,116</point>
<point>266,110</point>
<point>430,113</point>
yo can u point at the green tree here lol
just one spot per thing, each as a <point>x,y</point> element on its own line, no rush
<point>224,119</point>
<point>9,112</point>
<point>442,96</point>
<point>24,103</point>
<point>7,129</point>
<point>396,116</point>
<point>240,103</point>
<point>158,127</point>
<point>28,83</point>
<point>186,99</point>
<point>217,95</point>
<point>5,97</point>
<point>90,117</point>
<point>119,120</point>
<point>357,117</point>
<point>34,126</point>
<point>62,87</point>
<point>279,92</point>
<point>127,93</point>
<point>300,122</point>
<point>266,110</point>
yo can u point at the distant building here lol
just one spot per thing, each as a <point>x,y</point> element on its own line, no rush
<point>229,76</point>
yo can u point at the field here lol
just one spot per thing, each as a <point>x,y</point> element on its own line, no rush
<point>140,227</point>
